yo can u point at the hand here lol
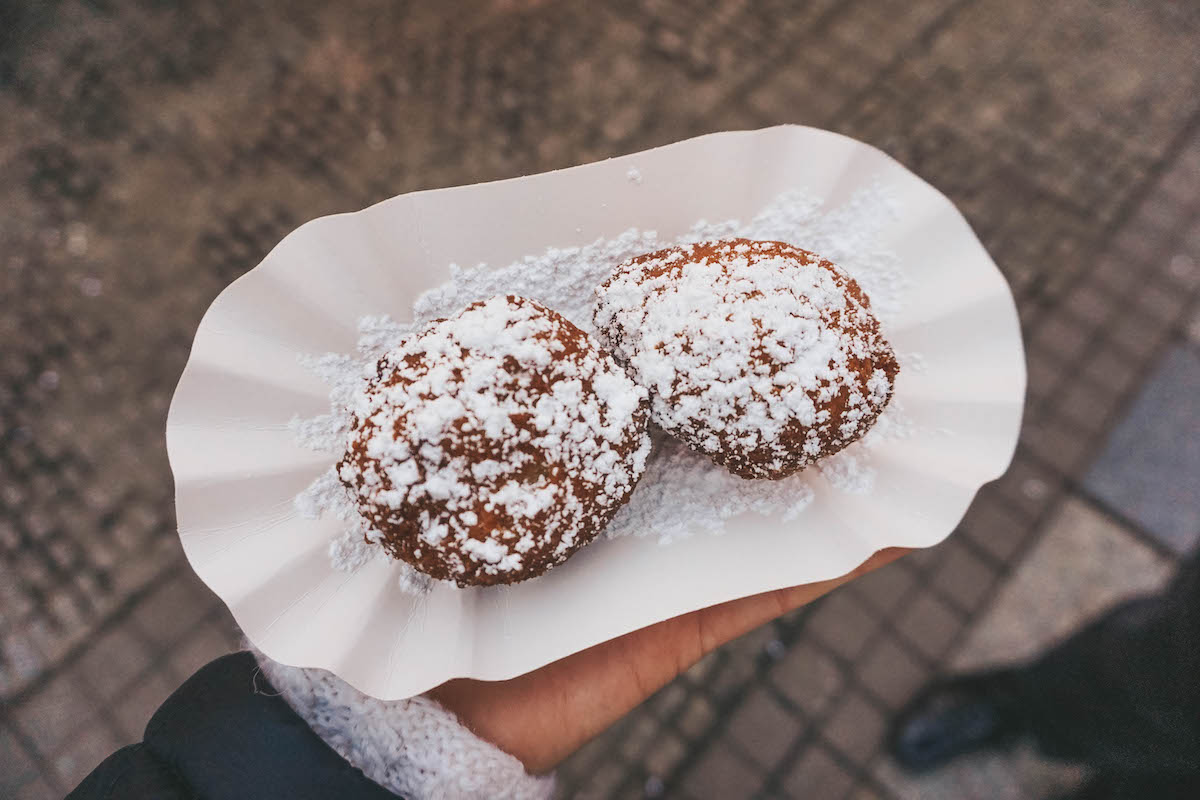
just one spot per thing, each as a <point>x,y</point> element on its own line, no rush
<point>543,716</point>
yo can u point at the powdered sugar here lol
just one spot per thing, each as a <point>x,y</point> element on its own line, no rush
<point>681,492</point>
<point>494,441</point>
<point>753,351</point>
<point>565,279</point>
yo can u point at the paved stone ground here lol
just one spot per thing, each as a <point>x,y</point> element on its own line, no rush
<point>151,152</point>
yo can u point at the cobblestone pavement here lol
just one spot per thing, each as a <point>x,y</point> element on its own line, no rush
<point>151,152</point>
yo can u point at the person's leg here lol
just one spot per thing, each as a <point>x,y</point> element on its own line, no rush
<point>1119,695</point>
<point>1138,787</point>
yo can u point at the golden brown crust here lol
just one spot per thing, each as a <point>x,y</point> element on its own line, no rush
<point>488,457</point>
<point>759,354</point>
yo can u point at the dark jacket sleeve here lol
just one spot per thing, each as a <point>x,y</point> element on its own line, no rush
<point>226,735</point>
<point>131,772</point>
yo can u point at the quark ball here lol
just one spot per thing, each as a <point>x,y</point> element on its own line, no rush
<point>490,446</point>
<point>760,355</point>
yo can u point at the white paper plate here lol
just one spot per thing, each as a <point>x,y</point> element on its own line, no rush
<point>237,467</point>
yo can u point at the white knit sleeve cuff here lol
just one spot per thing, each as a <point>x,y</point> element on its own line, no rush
<point>413,747</point>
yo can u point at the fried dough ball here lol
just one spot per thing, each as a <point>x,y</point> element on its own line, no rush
<point>492,445</point>
<point>758,354</point>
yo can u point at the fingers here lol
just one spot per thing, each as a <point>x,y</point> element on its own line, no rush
<point>730,620</point>
<point>543,716</point>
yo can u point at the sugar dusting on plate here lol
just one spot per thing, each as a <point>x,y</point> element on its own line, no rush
<point>682,492</point>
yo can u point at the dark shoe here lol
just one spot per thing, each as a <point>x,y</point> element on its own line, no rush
<point>955,716</point>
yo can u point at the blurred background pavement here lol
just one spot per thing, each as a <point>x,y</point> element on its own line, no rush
<point>150,152</point>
